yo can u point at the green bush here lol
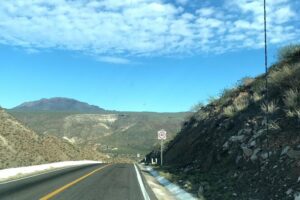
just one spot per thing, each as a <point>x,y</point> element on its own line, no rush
<point>289,52</point>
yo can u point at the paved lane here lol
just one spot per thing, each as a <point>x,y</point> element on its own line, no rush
<point>111,182</point>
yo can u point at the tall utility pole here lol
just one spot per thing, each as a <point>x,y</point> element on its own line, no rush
<point>266,74</point>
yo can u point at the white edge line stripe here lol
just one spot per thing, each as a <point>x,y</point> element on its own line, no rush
<point>144,192</point>
<point>47,172</point>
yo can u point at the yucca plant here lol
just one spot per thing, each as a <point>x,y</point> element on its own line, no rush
<point>292,98</point>
<point>270,107</point>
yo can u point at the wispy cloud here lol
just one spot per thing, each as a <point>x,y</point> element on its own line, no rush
<point>114,60</point>
<point>112,28</point>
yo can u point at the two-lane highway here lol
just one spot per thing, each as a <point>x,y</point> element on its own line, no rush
<point>103,182</point>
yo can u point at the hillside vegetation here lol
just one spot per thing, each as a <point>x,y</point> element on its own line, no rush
<point>224,152</point>
<point>20,146</point>
<point>111,132</point>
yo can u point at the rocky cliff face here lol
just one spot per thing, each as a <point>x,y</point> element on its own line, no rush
<point>225,152</point>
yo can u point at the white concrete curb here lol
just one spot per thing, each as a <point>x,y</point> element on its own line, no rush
<point>173,188</point>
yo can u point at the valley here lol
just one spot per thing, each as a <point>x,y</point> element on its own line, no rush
<point>112,132</point>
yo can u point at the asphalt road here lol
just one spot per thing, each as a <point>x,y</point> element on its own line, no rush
<point>103,182</point>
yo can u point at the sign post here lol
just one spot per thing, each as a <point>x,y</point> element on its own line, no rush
<point>161,135</point>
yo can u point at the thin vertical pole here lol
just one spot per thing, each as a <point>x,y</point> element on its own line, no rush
<point>266,74</point>
<point>161,152</point>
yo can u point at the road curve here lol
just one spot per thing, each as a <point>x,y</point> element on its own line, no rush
<point>93,182</point>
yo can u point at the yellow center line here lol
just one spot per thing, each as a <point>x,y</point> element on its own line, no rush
<point>59,190</point>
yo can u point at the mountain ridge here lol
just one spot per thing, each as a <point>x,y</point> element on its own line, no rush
<point>57,104</point>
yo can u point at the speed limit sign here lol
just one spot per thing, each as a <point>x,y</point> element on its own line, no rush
<point>162,134</point>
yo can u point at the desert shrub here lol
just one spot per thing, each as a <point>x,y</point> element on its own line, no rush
<point>212,99</point>
<point>202,115</point>
<point>259,85</point>
<point>292,98</point>
<point>229,111</point>
<point>289,52</point>
<point>270,107</point>
<point>276,77</point>
<point>197,107</point>
<point>293,113</point>
<point>273,125</point>
<point>246,81</point>
<point>226,95</point>
<point>241,102</point>
<point>256,96</point>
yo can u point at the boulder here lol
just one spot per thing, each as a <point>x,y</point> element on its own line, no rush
<point>226,146</point>
<point>247,152</point>
<point>237,138</point>
<point>252,143</point>
<point>259,133</point>
<point>254,155</point>
<point>203,187</point>
<point>285,150</point>
<point>294,154</point>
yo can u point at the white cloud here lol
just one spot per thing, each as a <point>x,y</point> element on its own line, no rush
<point>114,60</point>
<point>110,29</point>
<point>205,11</point>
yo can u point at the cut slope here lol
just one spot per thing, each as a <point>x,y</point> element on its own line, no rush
<point>225,151</point>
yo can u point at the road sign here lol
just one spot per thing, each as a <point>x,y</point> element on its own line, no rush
<point>162,134</point>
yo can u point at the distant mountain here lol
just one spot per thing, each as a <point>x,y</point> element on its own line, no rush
<point>128,132</point>
<point>21,146</point>
<point>111,131</point>
<point>58,104</point>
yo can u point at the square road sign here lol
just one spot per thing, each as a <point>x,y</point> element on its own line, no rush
<point>162,134</point>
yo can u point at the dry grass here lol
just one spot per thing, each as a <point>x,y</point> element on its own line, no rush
<point>289,52</point>
<point>246,81</point>
<point>240,103</point>
<point>229,111</point>
<point>293,113</point>
<point>273,125</point>
<point>257,97</point>
<point>270,107</point>
<point>276,77</point>
<point>292,98</point>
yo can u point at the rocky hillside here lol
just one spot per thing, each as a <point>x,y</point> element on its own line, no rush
<point>58,104</point>
<point>224,150</point>
<point>20,146</point>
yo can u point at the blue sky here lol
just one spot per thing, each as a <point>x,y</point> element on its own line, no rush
<point>135,55</point>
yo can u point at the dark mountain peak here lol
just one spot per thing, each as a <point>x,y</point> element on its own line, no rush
<point>58,104</point>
